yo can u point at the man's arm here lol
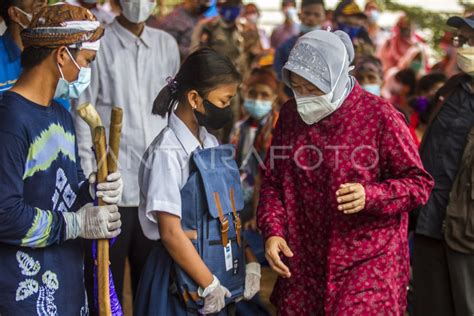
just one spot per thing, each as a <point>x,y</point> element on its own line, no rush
<point>22,224</point>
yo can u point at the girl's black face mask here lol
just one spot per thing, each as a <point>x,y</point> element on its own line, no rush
<point>214,118</point>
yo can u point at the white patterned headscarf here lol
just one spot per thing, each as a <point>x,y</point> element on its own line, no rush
<point>323,58</point>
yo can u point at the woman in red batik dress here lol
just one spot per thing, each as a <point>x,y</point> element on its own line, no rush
<point>340,178</point>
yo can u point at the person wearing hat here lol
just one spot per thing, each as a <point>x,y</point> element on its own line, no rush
<point>351,19</point>
<point>443,274</point>
<point>45,199</point>
<point>17,14</point>
<point>340,178</point>
<point>131,68</point>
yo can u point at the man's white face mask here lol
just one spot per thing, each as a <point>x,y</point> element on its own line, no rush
<point>465,59</point>
<point>137,11</point>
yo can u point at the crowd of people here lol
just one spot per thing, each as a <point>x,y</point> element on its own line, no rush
<point>330,161</point>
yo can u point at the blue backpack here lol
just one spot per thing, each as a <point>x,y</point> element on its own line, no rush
<point>211,202</point>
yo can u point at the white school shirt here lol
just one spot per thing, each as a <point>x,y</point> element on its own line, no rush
<point>129,72</point>
<point>165,170</point>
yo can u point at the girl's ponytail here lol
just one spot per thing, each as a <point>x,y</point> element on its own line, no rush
<point>163,103</point>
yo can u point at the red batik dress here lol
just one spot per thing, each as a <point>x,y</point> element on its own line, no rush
<point>343,264</point>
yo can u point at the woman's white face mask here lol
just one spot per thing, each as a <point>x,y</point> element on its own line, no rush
<point>313,109</point>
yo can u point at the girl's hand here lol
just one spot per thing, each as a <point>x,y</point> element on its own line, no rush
<point>214,297</point>
<point>273,247</point>
<point>252,280</point>
<point>351,198</point>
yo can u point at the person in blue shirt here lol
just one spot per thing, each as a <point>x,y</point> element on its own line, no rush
<point>312,17</point>
<point>17,15</point>
<point>45,199</point>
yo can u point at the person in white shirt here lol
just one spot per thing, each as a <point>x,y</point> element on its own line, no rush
<point>196,100</point>
<point>130,69</point>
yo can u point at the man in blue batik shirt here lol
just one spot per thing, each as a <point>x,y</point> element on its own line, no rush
<point>45,199</point>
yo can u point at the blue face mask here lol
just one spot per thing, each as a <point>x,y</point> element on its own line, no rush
<point>258,109</point>
<point>72,90</point>
<point>352,31</point>
<point>372,88</point>
<point>229,14</point>
<point>306,29</point>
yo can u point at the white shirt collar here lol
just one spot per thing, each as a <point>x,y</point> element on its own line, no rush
<point>126,37</point>
<point>187,139</point>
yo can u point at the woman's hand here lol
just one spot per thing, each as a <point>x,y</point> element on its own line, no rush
<point>273,247</point>
<point>351,198</point>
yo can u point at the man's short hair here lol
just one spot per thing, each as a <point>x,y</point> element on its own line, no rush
<point>34,55</point>
<point>287,2</point>
<point>306,3</point>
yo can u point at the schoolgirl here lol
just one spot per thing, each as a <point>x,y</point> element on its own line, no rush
<point>196,100</point>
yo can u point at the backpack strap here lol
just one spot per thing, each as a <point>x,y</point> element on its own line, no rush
<point>224,221</point>
<point>237,223</point>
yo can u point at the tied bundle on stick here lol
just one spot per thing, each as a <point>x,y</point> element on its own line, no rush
<point>106,299</point>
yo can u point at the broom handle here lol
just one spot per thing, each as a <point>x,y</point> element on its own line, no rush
<point>114,139</point>
<point>102,244</point>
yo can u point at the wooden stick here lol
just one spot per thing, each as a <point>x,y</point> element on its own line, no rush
<point>102,244</point>
<point>114,139</point>
<point>89,114</point>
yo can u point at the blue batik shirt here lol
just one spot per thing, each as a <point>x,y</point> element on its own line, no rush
<point>40,177</point>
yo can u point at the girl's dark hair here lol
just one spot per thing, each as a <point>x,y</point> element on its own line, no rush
<point>203,71</point>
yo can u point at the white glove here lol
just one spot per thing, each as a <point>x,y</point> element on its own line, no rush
<point>214,297</point>
<point>252,280</point>
<point>93,222</point>
<point>110,191</point>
